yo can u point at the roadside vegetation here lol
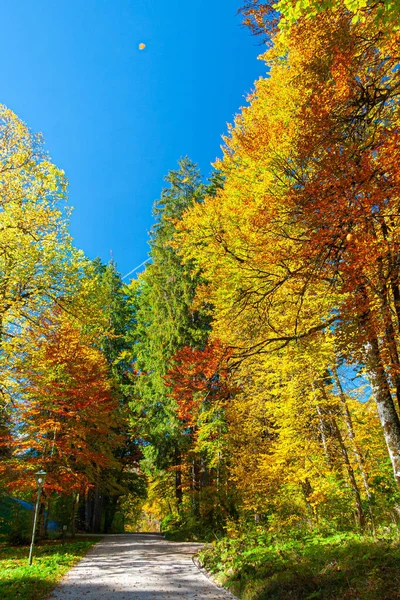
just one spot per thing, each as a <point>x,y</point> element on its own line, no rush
<point>345,566</point>
<point>52,559</point>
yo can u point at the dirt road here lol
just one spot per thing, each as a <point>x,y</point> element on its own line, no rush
<point>138,567</point>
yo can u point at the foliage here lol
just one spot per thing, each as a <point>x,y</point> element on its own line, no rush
<point>166,321</point>
<point>265,17</point>
<point>18,525</point>
<point>385,12</point>
<point>63,408</point>
<point>122,478</point>
<point>293,258</point>
<point>38,263</point>
<point>63,321</point>
<point>256,566</point>
<point>299,252</point>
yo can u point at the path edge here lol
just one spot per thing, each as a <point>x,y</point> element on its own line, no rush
<point>47,597</point>
<point>210,577</point>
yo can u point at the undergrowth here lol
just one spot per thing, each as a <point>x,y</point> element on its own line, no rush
<point>345,566</point>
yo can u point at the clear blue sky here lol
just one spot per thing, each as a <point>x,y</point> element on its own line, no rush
<point>115,118</point>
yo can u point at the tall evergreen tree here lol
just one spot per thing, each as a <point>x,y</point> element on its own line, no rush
<point>167,321</point>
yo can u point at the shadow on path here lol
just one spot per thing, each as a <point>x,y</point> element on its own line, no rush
<point>138,567</point>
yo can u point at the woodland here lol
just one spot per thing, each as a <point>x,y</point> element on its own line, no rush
<point>245,388</point>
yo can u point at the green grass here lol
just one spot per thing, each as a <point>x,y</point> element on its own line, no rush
<point>51,560</point>
<point>341,567</point>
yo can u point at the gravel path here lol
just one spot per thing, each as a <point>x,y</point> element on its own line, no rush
<point>138,567</point>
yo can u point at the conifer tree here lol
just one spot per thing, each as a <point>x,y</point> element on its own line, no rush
<point>167,321</point>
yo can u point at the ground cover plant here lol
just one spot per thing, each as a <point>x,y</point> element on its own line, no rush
<point>345,566</point>
<point>52,559</point>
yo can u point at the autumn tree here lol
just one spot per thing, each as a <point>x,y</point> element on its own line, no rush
<point>122,479</point>
<point>303,237</point>
<point>39,267</point>
<point>264,17</point>
<point>36,251</point>
<point>199,383</point>
<point>63,407</point>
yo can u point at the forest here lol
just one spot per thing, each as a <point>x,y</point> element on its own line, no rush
<point>244,389</point>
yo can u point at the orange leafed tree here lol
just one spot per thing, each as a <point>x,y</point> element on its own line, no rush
<point>199,382</point>
<point>63,407</point>
<point>198,376</point>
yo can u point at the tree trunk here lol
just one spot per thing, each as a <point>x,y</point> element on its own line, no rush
<point>109,512</point>
<point>178,480</point>
<point>73,512</point>
<point>322,432</point>
<point>356,492</point>
<point>396,295</point>
<point>41,517</point>
<point>88,509</point>
<point>350,430</point>
<point>97,504</point>
<point>47,518</point>
<point>307,490</point>
<point>390,334</point>
<point>195,489</point>
<point>386,410</point>
<point>394,269</point>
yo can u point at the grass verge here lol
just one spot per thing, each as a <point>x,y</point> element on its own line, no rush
<point>51,561</point>
<point>340,567</point>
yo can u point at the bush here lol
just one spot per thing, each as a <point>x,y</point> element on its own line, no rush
<point>19,530</point>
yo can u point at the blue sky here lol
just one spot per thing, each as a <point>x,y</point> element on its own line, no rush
<point>115,118</point>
